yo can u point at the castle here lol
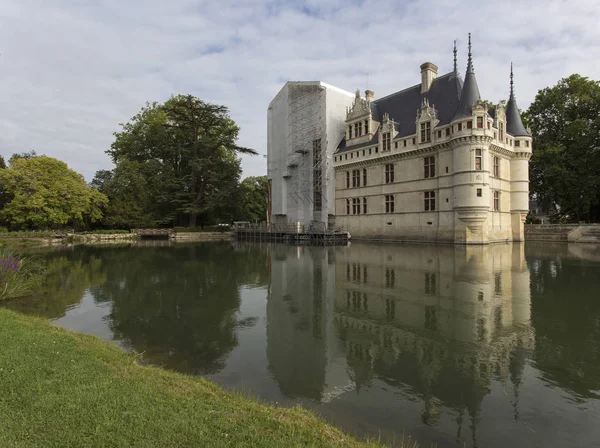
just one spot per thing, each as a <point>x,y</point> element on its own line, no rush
<point>433,162</point>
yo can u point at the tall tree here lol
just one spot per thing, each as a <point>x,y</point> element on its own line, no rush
<point>253,199</point>
<point>565,121</point>
<point>43,192</point>
<point>194,145</point>
<point>130,194</point>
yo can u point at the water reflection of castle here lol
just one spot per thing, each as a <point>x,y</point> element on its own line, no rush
<point>441,321</point>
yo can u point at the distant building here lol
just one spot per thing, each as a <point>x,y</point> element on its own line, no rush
<point>433,162</point>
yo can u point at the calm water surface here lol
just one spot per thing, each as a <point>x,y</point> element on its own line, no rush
<point>486,346</point>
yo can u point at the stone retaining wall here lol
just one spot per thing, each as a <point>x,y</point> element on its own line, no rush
<point>202,236</point>
<point>571,233</point>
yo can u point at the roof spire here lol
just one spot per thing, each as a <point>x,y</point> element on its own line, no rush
<point>512,89</point>
<point>470,58</point>
<point>455,63</point>
<point>514,124</point>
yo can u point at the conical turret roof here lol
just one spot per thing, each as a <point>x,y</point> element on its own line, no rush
<point>514,124</point>
<point>470,90</point>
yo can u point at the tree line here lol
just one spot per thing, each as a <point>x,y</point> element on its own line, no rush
<point>177,163</point>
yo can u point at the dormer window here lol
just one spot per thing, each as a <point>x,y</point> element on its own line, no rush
<point>355,129</point>
<point>360,128</point>
<point>460,126</point>
<point>366,126</point>
<point>469,124</point>
<point>479,122</point>
<point>349,132</point>
<point>426,132</point>
<point>386,142</point>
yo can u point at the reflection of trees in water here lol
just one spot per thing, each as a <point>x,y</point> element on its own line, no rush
<point>566,317</point>
<point>68,274</point>
<point>178,305</point>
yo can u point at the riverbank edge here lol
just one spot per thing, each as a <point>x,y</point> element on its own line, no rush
<point>62,388</point>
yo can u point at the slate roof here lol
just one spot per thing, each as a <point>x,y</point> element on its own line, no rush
<point>514,124</point>
<point>444,95</point>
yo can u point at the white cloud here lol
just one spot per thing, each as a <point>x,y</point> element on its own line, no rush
<point>71,70</point>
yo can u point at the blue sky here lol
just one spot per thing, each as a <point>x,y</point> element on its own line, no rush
<point>71,70</point>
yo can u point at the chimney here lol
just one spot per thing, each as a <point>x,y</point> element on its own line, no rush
<point>369,95</point>
<point>428,74</point>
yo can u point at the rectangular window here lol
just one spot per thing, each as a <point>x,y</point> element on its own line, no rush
<point>479,122</point>
<point>414,141</point>
<point>429,166</point>
<point>430,201</point>
<point>356,129</point>
<point>426,132</point>
<point>460,126</point>
<point>389,203</point>
<point>479,192</point>
<point>469,125</point>
<point>366,126</point>
<point>405,143</point>
<point>501,131</point>
<point>347,206</point>
<point>439,134</point>
<point>389,173</point>
<point>347,179</point>
<point>364,177</point>
<point>355,178</point>
<point>369,151</point>
<point>527,143</point>
<point>488,124</point>
<point>356,206</point>
<point>364,151</point>
<point>496,201</point>
<point>360,128</point>
<point>517,143</point>
<point>386,142</point>
<point>346,156</point>
<point>478,152</point>
<point>376,149</point>
<point>496,167</point>
<point>350,132</point>
<point>478,163</point>
<point>447,132</point>
<point>365,206</point>
<point>395,145</point>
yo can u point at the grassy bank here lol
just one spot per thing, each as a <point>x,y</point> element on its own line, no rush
<point>65,389</point>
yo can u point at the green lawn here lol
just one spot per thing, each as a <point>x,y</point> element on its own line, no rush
<point>61,389</point>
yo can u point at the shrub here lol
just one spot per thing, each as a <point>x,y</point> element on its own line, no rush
<point>18,274</point>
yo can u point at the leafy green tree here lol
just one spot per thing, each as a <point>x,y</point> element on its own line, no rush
<point>565,121</point>
<point>130,194</point>
<point>253,199</point>
<point>193,145</point>
<point>43,192</point>
<point>23,155</point>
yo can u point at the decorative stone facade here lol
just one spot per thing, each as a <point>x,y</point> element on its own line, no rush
<point>434,163</point>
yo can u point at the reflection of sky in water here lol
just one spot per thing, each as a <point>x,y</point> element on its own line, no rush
<point>492,346</point>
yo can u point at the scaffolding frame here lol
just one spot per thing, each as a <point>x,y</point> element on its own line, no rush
<point>307,141</point>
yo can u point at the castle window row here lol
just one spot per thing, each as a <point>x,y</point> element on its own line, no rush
<point>353,205</point>
<point>425,137</point>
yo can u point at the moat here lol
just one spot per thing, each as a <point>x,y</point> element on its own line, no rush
<point>462,346</point>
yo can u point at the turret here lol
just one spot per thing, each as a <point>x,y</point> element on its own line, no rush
<point>470,90</point>
<point>514,124</point>
<point>519,164</point>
